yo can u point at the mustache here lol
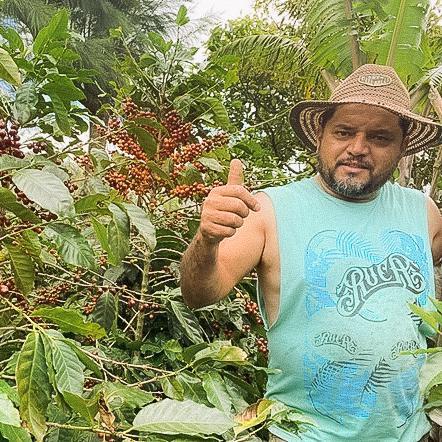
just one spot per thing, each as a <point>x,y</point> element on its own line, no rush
<point>353,163</point>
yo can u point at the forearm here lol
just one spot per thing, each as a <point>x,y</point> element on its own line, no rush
<point>200,273</point>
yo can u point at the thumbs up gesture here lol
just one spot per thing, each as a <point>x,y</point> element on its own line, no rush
<point>226,207</point>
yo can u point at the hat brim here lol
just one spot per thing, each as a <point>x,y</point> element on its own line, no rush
<point>305,119</point>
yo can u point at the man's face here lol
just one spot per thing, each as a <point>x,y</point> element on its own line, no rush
<point>359,148</point>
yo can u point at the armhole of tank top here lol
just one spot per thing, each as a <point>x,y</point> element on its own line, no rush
<point>259,292</point>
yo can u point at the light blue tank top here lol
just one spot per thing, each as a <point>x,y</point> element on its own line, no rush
<point>348,272</point>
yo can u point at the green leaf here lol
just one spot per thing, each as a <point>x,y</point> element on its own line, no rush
<point>61,115</point>
<point>23,268</point>
<point>159,43</point>
<point>71,245</point>
<point>8,69</point>
<point>33,385</point>
<point>118,395</point>
<point>45,189</point>
<point>87,408</point>
<point>216,108</point>
<point>26,99</point>
<point>68,368</point>
<point>8,413</point>
<point>106,311</point>
<point>182,18</point>
<point>8,201</point>
<point>70,321</point>
<point>138,217</point>
<point>8,162</point>
<point>145,140</point>
<point>101,234</point>
<point>431,318</point>
<point>398,42</point>
<point>118,233</point>
<point>211,163</point>
<point>14,434</point>
<point>29,241</point>
<point>90,203</point>
<point>216,390</point>
<point>57,29</point>
<point>86,360</point>
<point>188,321</point>
<point>221,351</point>
<point>10,392</point>
<point>13,37</point>
<point>187,417</point>
<point>64,88</point>
<point>159,172</point>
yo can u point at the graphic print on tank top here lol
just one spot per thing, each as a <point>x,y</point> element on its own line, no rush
<point>357,296</point>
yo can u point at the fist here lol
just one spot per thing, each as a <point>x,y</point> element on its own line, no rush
<point>226,207</point>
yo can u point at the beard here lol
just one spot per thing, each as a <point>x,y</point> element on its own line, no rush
<point>353,186</point>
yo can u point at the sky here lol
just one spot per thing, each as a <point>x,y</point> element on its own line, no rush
<point>222,9</point>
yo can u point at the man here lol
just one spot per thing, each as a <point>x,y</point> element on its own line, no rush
<point>339,257</point>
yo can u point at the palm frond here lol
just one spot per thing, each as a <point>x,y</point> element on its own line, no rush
<point>33,14</point>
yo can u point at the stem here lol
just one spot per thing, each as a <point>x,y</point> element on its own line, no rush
<point>395,37</point>
<point>143,298</point>
<point>354,44</point>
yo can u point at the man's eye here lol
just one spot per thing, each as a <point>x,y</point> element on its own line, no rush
<point>380,137</point>
<point>342,133</point>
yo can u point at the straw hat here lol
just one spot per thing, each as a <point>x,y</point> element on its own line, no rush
<point>369,84</point>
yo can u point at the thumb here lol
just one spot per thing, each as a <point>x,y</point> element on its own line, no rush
<point>236,172</point>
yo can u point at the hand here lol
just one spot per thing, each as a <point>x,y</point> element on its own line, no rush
<point>226,207</point>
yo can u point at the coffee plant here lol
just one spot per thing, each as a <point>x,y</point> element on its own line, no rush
<point>96,343</point>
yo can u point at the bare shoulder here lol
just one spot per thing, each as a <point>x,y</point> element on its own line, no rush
<point>435,229</point>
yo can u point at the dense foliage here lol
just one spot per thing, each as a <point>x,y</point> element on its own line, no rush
<point>96,341</point>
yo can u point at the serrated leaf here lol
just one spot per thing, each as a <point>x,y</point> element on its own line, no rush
<point>138,217</point>
<point>71,245</point>
<point>45,189</point>
<point>118,395</point>
<point>8,69</point>
<point>188,321</point>
<point>8,201</point>
<point>33,385</point>
<point>90,203</point>
<point>8,413</point>
<point>26,99</point>
<point>68,368</point>
<point>14,434</point>
<point>23,268</point>
<point>106,311</point>
<point>118,233</point>
<point>56,29</point>
<point>187,417</point>
<point>86,360</point>
<point>145,140</point>
<point>216,391</point>
<point>70,321</point>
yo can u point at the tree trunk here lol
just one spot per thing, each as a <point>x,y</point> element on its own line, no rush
<point>436,101</point>
<point>356,55</point>
<point>405,166</point>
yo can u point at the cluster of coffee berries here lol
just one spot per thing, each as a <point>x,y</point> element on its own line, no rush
<point>251,308</point>
<point>178,133</point>
<point>84,161</point>
<point>133,111</point>
<point>261,344</point>
<point>38,146</point>
<point>151,309</point>
<point>188,191</point>
<point>72,187</point>
<point>6,287</point>
<point>9,291</point>
<point>52,295</point>
<point>10,140</point>
<point>90,306</point>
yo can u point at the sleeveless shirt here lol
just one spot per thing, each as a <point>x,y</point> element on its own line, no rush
<point>348,273</point>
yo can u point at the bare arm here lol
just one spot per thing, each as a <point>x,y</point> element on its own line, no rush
<point>228,244</point>
<point>435,231</point>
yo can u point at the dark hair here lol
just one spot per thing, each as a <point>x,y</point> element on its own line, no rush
<point>330,111</point>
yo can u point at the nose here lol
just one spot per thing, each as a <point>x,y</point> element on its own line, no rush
<point>358,145</point>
